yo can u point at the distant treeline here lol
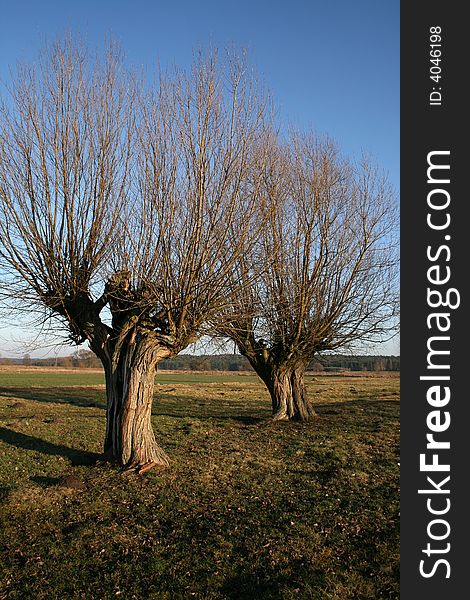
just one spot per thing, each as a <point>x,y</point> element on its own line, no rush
<point>218,362</point>
<point>235,362</point>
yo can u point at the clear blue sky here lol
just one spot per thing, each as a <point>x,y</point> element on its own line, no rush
<point>331,65</point>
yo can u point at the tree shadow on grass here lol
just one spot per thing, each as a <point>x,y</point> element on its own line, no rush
<point>245,419</point>
<point>45,482</point>
<point>366,406</point>
<point>161,406</point>
<point>28,442</point>
<point>59,395</point>
<point>268,583</point>
<point>5,491</point>
<point>193,407</point>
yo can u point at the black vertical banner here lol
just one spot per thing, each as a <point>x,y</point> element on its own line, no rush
<point>435,236</point>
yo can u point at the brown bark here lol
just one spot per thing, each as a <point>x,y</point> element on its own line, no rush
<point>130,440</point>
<point>289,396</point>
<point>287,389</point>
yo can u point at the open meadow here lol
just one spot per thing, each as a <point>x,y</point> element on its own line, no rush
<point>247,509</point>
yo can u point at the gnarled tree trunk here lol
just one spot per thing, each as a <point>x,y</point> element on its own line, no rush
<point>130,440</point>
<point>288,394</point>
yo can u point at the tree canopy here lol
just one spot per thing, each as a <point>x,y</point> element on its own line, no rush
<point>123,206</point>
<point>328,275</point>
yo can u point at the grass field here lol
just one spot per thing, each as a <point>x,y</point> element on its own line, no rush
<point>248,508</point>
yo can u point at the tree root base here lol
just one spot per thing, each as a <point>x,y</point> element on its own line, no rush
<point>283,417</point>
<point>141,468</point>
<point>144,468</point>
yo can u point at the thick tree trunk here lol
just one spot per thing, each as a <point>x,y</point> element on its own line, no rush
<point>130,440</point>
<point>288,394</point>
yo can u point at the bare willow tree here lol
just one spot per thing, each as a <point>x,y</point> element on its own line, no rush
<point>124,206</point>
<point>326,266</point>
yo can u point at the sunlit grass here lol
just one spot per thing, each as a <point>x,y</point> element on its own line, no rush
<point>248,508</point>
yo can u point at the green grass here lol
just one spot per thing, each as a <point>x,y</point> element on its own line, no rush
<point>43,378</point>
<point>248,508</point>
